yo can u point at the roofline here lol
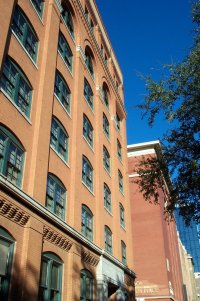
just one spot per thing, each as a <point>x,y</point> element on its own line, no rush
<point>143,145</point>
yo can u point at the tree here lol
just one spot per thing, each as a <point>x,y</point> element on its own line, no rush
<point>177,95</point>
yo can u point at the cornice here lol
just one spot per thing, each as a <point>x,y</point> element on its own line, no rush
<point>41,211</point>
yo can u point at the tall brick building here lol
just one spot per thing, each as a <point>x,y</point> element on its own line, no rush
<point>155,241</point>
<point>65,231</point>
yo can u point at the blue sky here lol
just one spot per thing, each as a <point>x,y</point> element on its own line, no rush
<point>146,34</point>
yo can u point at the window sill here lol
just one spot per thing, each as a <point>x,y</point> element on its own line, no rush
<point>16,37</point>
<point>92,109</point>
<point>66,163</point>
<point>90,73</point>
<point>123,227</point>
<point>110,213</point>
<point>62,219</point>
<point>40,18</point>
<point>108,138</point>
<point>92,149</point>
<point>69,115</point>
<point>107,172</point>
<point>122,192</point>
<point>65,64</point>
<point>14,104</point>
<point>73,39</point>
<point>88,189</point>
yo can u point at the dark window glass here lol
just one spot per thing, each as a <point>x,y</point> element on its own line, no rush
<point>15,84</point>
<point>22,28</point>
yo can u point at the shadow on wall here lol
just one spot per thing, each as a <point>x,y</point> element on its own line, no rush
<point>24,286</point>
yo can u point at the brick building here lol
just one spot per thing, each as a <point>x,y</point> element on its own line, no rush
<point>155,241</point>
<point>65,227</point>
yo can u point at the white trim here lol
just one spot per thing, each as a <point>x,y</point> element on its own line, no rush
<point>73,38</point>
<point>58,99</point>
<point>66,64</point>
<point>157,297</point>
<point>29,201</point>
<point>143,144</point>
<point>18,40</point>
<point>133,175</point>
<point>41,18</point>
<point>141,152</point>
<point>57,153</point>
<point>14,104</point>
<point>59,6</point>
<point>79,49</point>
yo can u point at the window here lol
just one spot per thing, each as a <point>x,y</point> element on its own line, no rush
<point>106,159</point>
<point>88,94</point>
<point>65,51</point>
<point>87,223</point>
<point>55,196</point>
<point>86,13</point>
<point>62,91</point>
<point>16,85</point>
<point>105,96</point>
<point>122,219</point>
<point>107,198</point>
<point>119,150</point>
<point>89,64</point>
<point>39,6</point>
<point>6,257</point>
<point>106,126</point>
<point>108,240</point>
<point>86,293</point>
<point>87,173</point>
<point>87,130</point>
<point>118,122</point>
<point>92,26</point>
<point>50,278</point>
<point>123,248</point>
<point>120,177</point>
<point>24,31</point>
<point>67,16</point>
<point>106,59</point>
<point>59,139</point>
<point>11,157</point>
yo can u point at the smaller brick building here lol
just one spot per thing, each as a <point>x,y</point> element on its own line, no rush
<point>155,243</point>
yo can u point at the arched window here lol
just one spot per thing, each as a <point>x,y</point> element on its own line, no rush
<point>122,218</point>
<point>86,293</point>
<point>67,17</point>
<point>16,85</point>
<point>107,198</point>
<point>88,62</point>
<point>6,258</point>
<point>59,139</point>
<point>25,33</point>
<point>50,278</point>
<point>87,130</point>
<point>88,94</point>
<point>120,179</point>
<point>65,51</point>
<point>123,249</point>
<point>105,95</point>
<point>87,223</point>
<point>55,196</point>
<point>62,91</point>
<point>11,156</point>
<point>106,126</point>
<point>119,150</point>
<point>106,159</point>
<point>87,173</point>
<point>108,239</point>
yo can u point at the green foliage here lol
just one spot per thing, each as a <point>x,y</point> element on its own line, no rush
<point>178,97</point>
